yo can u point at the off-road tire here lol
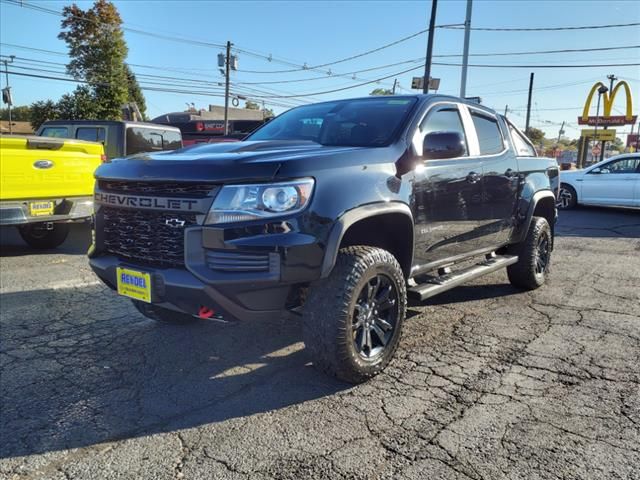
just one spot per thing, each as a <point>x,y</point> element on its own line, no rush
<point>567,198</point>
<point>163,315</point>
<point>38,237</point>
<point>328,315</point>
<point>528,273</point>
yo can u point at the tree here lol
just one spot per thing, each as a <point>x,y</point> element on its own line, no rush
<point>79,105</point>
<point>535,135</point>
<point>382,91</point>
<point>98,50</point>
<point>42,111</point>
<point>268,113</point>
<point>21,113</point>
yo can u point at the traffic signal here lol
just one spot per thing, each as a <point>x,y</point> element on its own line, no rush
<point>6,96</point>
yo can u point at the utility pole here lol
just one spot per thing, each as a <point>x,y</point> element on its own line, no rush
<point>227,68</point>
<point>612,78</point>
<point>560,132</point>
<point>526,128</point>
<point>506,110</point>
<point>465,51</point>
<point>8,89</point>
<point>427,64</point>
<point>395,82</point>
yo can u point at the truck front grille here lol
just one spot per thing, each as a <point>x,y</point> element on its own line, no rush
<point>192,190</point>
<point>143,236</point>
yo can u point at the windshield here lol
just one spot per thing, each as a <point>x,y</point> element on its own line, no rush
<point>368,122</point>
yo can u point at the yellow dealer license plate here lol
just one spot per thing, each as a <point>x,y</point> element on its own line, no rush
<point>38,209</point>
<point>134,284</point>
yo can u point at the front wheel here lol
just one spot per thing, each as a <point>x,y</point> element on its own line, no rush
<point>567,197</point>
<point>38,236</point>
<point>534,256</point>
<point>352,320</point>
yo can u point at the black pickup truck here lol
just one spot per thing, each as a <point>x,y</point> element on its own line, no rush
<point>337,211</point>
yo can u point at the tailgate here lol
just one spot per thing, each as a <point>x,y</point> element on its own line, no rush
<point>43,167</point>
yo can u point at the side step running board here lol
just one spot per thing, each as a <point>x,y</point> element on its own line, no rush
<point>436,285</point>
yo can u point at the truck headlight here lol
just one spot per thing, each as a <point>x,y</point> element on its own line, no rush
<point>239,203</point>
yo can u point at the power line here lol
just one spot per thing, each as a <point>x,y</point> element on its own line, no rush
<point>541,29</point>
<point>144,86</point>
<point>342,60</point>
<point>599,65</point>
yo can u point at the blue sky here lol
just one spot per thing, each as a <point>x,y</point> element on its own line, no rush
<point>321,32</point>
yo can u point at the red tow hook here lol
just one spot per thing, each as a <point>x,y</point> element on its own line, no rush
<point>206,312</point>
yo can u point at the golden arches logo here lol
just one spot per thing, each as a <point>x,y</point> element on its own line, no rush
<point>608,101</point>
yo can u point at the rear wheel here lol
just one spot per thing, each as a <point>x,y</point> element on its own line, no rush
<point>163,315</point>
<point>534,256</point>
<point>353,319</point>
<point>567,197</point>
<point>37,235</point>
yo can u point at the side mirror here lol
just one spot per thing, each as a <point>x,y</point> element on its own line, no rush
<point>599,170</point>
<point>442,145</point>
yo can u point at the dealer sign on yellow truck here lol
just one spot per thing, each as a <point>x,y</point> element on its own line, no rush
<point>45,183</point>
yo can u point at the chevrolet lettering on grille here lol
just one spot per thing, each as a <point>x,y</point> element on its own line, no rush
<point>158,203</point>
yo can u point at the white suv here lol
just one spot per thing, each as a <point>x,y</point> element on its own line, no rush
<point>614,182</point>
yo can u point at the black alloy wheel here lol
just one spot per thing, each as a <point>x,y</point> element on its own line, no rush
<point>375,316</point>
<point>543,253</point>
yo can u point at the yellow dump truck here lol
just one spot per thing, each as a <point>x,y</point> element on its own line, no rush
<point>45,184</point>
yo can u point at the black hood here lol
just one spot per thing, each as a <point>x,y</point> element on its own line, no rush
<point>225,162</point>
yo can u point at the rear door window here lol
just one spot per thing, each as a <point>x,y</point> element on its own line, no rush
<point>489,135</point>
<point>522,146</point>
<point>91,134</point>
<point>56,132</point>
<point>171,140</point>
<point>140,139</point>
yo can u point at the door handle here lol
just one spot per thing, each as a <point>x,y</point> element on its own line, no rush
<point>473,177</point>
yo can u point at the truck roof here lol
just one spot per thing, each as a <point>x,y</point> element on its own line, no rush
<point>419,96</point>
<point>110,122</point>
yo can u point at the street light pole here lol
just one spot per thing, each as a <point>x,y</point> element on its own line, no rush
<point>427,64</point>
<point>227,68</point>
<point>526,128</point>
<point>6,71</point>
<point>612,78</point>
<point>465,51</point>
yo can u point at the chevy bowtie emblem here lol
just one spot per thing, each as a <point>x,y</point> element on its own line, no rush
<point>174,222</point>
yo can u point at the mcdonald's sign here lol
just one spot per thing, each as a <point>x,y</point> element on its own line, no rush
<point>606,118</point>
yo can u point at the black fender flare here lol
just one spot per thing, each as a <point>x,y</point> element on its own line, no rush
<point>351,217</point>
<point>523,227</point>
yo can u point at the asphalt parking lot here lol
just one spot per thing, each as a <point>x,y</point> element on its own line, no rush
<point>489,382</point>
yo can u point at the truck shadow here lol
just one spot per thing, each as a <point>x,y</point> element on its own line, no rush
<point>77,243</point>
<point>596,222</point>
<point>81,366</point>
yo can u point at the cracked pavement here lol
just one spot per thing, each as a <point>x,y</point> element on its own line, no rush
<point>489,382</point>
